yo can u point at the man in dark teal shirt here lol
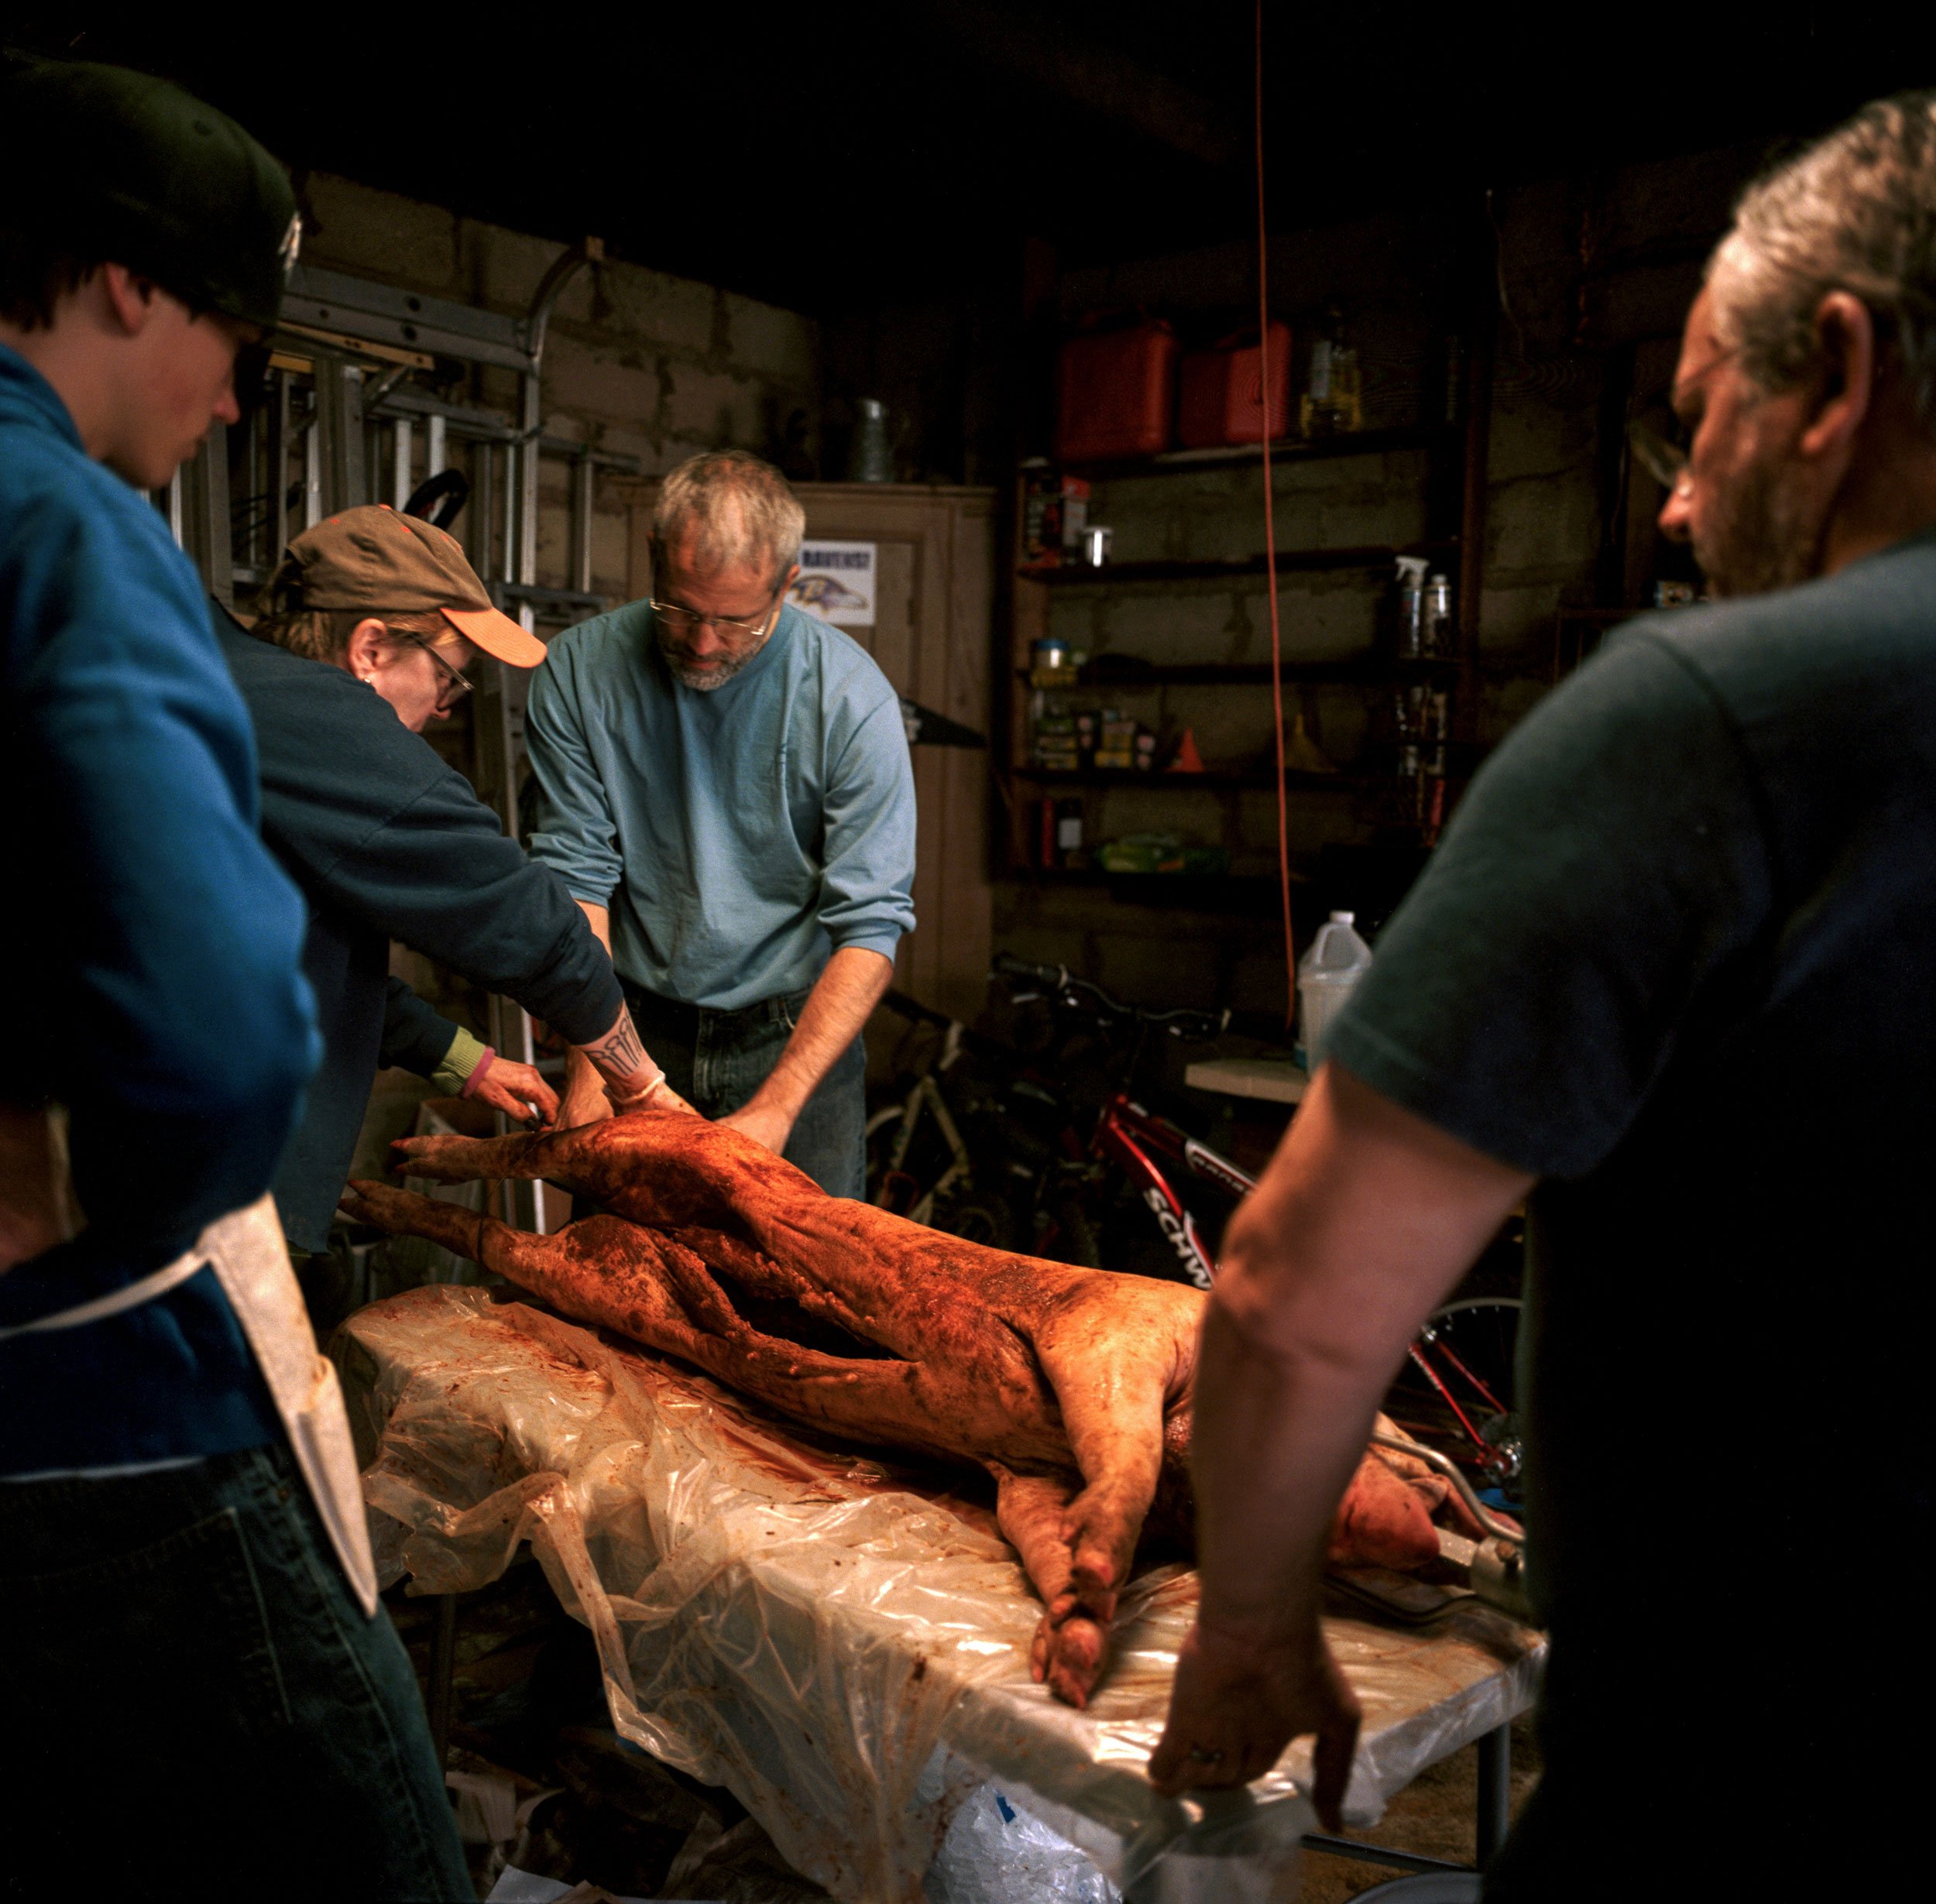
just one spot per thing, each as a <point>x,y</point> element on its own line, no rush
<point>1669,972</point>
<point>371,617</point>
<point>182,1573</point>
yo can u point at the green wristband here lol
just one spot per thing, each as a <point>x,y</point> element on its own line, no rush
<point>453,1069</point>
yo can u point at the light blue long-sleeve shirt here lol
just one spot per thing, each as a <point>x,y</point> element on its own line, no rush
<point>740,835</point>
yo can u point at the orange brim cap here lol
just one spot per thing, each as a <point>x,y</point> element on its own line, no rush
<point>497,635</point>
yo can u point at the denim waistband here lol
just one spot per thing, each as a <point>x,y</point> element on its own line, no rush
<point>672,1017</point>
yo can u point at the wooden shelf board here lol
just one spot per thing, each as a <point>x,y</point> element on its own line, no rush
<point>1224,674</point>
<point>1285,449</point>
<point>1277,1080</point>
<point>1289,561</point>
<point>1188,892</point>
<point>1212,780</point>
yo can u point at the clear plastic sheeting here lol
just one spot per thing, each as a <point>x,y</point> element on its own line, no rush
<point>995,1853</point>
<point>841,1642</point>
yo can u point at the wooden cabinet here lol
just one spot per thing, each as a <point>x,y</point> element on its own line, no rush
<point>931,636</point>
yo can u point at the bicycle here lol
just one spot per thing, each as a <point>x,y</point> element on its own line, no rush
<point>985,1143</point>
<point>908,1170</point>
<point>1128,1143</point>
<point>1457,1391</point>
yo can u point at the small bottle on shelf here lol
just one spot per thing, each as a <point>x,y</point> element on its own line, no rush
<point>1441,631</point>
<point>1411,641</point>
<point>1333,403</point>
<point>1069,855</point>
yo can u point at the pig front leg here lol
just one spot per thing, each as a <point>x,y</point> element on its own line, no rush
<point>404,1213</point>
<point>1072,1642</point>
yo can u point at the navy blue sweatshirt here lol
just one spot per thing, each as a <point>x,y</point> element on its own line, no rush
<point>388,842</point>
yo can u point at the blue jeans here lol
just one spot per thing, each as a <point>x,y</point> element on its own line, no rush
<point>195,1706</point>
<point>718,1059</point>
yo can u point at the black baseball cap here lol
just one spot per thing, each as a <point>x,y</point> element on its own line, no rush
<point>121,166</point>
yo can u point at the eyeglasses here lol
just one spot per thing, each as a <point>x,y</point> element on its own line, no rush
<point>680,621</point>
<point>451,686</point>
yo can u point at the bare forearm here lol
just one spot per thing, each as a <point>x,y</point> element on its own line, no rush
<point>839,1004</point>
<point>582,1085</point>
<point>1268,1429</point>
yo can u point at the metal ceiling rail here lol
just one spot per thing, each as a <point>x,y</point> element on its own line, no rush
<point>333,300</point>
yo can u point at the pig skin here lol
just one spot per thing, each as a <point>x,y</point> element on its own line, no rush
<point>1071,1387</point>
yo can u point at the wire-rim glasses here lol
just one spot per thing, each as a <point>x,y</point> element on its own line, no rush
<point>451,686</point>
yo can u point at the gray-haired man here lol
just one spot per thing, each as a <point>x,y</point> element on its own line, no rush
<point>1670,970</point>
<point>727,793</point>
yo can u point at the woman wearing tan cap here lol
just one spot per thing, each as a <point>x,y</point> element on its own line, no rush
<point>369,621</point>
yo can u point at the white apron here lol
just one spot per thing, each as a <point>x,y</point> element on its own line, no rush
<point>251,1262</point>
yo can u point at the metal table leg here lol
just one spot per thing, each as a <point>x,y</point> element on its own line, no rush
<point>443,1677</point>
<point>1496,1791</point>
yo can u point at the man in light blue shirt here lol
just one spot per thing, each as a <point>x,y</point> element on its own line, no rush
<point>728,794</point>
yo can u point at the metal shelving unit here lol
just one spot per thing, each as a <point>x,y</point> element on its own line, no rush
<point>359,410</point>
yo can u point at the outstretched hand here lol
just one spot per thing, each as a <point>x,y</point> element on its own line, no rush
<point>766,1126</point>
<point>1236,1704</point>
<point>585,1102</point>
<point>519,1092</point>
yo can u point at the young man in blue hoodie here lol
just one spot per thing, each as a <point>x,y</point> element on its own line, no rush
<point>197,1650</point>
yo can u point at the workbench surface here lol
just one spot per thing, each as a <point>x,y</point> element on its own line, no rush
<point>841,1640</point>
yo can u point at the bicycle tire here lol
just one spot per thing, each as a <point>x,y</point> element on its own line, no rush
<point>880,1136</point>
<point>1501,1352</point>
<point>1070,1235</point>
<point>1482,1333</point>
<point>982,1219</point>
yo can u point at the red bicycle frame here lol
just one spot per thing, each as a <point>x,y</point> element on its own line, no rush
<point>1133,1138</point>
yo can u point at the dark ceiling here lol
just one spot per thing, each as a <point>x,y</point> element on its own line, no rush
<point>859,153</point>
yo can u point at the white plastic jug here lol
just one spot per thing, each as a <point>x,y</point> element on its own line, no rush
<point>1337,959</point>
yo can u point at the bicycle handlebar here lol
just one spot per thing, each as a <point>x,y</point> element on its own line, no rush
<point>1007,966</point>
<point>1183,1023</point>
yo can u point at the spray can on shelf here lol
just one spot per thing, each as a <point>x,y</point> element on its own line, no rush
<point>1411,709</point>
<point>1441,633</point>
<point>1410,642</point>
<point>1332,403</point>
<point>1440,726</point>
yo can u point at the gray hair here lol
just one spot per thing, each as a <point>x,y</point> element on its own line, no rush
<point>323,634</point>
<point>731,509</point>
<point>1855,212</point>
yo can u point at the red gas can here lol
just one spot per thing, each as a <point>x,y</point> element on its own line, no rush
<point>1222,402</point>
<point>1115,391</point>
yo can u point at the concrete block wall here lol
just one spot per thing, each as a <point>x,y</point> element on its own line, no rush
<point>637,362</point>
<point>1596,274</point>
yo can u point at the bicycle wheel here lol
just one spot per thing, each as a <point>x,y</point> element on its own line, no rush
<point>983,1219</point>
<point>883,1128</point>
<point>1457,1390</point>
<point>1065,1234</point>
<point>1484,1332</point>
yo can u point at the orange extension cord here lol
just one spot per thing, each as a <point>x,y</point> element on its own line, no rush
<point>1270,543</point>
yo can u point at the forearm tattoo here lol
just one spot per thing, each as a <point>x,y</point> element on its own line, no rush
<point>621,1059</point>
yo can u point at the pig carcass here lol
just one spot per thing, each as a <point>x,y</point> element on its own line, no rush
<point>1071,1387</point>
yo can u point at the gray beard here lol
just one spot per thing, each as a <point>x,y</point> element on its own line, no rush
<point>703,680</point>
<point>1760,537</point>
